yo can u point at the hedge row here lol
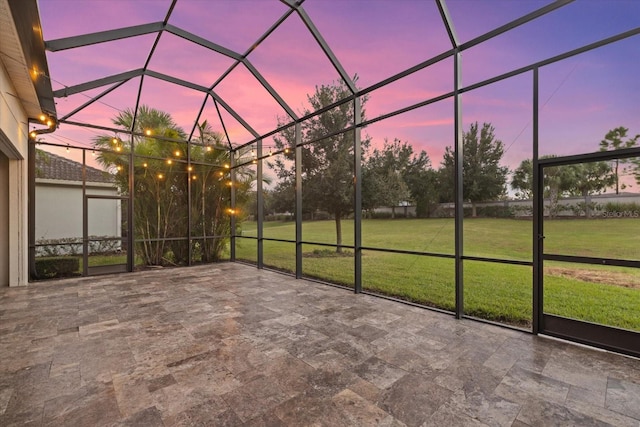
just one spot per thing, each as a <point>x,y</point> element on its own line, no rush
<point>50,267</point>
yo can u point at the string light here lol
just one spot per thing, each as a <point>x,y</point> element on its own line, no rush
<point>270,152</point>
<point>209,148</point>
<point>190,168</point>
<point>114,140</point>
<point>67,148</point>
<point>226,166</point>
<point>42,117</point>
<point>231,211</point>
<point>119,168</point>
<point>169,161</point>
<point>286,150</point>
<point>160,176</point>
<point>177,153</point>
<point>193,177</point>
<point>49,123</point>
<point>33,134</point>
<point>118,148</point>
<point>144,165</point>
<point>147,132</point>
<point>221,173</point>
<point>93,153</point>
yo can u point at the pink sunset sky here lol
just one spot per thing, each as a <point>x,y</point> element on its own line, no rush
<point>581,98</point>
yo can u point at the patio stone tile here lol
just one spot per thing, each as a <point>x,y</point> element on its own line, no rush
<point>228,344</point>
<point>623,397</point>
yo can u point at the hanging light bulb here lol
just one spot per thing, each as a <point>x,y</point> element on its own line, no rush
<point>144,165</point>
<point>169,161</point>
<point>49,123</point>
<point>177,153</point>
<point>93,153</point>
<point>119,168</point>
<point>147,132</point>
<point>118,148</point>
<point>160,176</point>
<point>286,150</point>
<point>226,166</point>
<point>209,148</point>
<point>114,140</point>
<point>193,177</point>
<point>43,117</point>
<point>270,152</point>
<point>190,168</point>
<point>67,148</point>
<point>33,134</point>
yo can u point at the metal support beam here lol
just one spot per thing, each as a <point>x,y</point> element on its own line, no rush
<point>85,218</point>
<point>326,49</point>
<point>270,89</point>
<point>190,206</point>
<point>131,240</point>
<point>357,188</point>
<point>538,212</point>
<point>82,87</point>
<point>260,205</point>
<point>202,42</point>
<point>232,202</point>
<point>516,23</point>
<point>448,23</point>
<point>298,166</point>
<point>94,99</point>
<point>102,36</point>
<point>459,199</point>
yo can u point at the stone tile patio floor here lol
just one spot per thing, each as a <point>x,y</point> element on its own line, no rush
<point>228,344</point>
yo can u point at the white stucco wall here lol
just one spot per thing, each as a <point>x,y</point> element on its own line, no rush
<point>13,195</point>
<point>59,210</point>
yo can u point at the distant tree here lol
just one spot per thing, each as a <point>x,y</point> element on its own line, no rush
<point>483,177</point>
<point>383,175</point>
<point>615,140</point>
<point>327,163</point>
<point>522,180</point>
<point>558,181</point>
<point>422,182</point>
<point>423,186</point>
<point>586,179</point>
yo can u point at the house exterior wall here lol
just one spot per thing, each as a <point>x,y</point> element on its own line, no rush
<point>13,191</point>
<point>4,220</point>
<point>59,210</point>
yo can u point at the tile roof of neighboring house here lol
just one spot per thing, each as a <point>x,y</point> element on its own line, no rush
<point>52,166</point>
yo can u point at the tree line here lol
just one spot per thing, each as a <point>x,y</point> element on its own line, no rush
<point>393,174</point>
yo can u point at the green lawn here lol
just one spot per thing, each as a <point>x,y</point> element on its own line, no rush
<point>498,292</point>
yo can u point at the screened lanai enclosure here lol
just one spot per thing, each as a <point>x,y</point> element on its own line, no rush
<point>480,158</point>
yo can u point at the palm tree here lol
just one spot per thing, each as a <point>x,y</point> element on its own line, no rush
<point>168,172</point>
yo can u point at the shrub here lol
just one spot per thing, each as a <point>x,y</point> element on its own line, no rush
<point>50,267</point>
<point>491,212</point>
<point>57,247</point>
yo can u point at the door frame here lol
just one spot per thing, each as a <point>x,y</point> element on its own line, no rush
<point>114,268</point>
<point>606,337</point>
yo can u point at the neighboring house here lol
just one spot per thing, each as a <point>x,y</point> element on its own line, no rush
<point>59,200</point>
